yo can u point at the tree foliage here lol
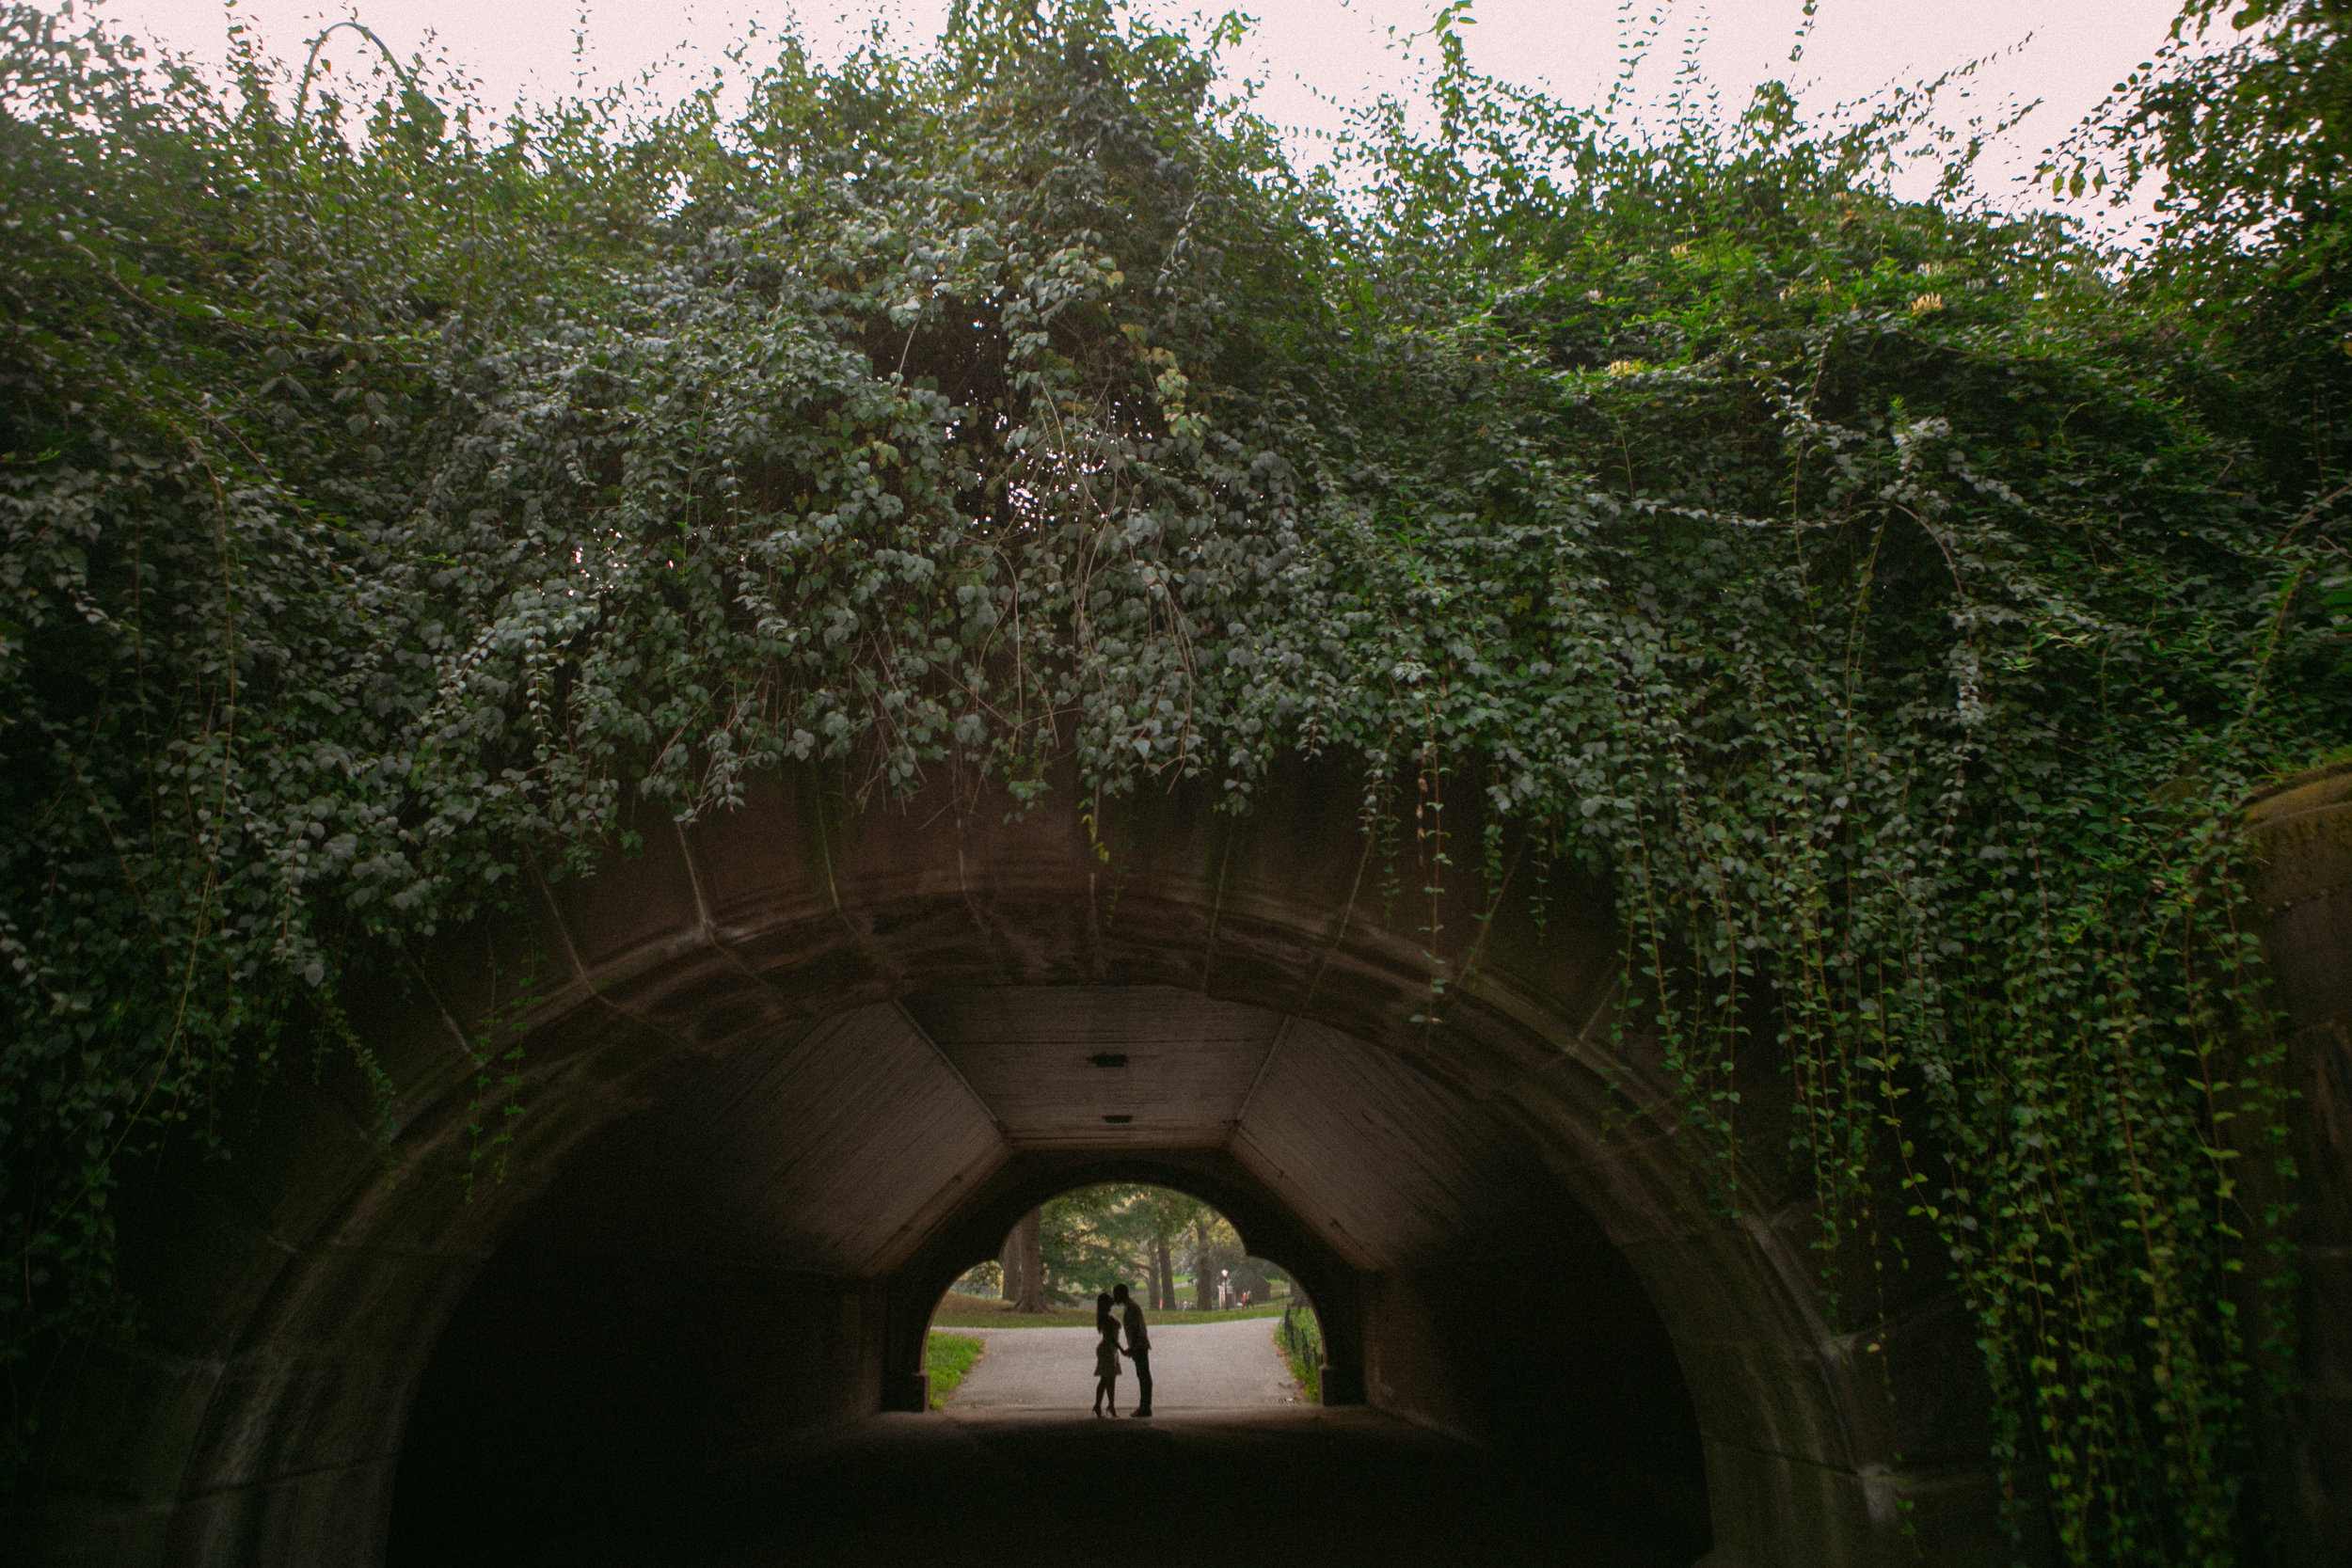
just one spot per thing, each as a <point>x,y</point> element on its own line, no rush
<point>2241,124</point>
<point>1890,598</point>
<point>1101,1236</point>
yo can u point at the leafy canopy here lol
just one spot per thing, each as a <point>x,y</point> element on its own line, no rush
<point>1097,1237</point>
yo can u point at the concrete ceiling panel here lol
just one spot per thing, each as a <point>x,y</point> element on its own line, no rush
<point>1391,1166</point>
<point>1058,1064</point>
<point>836,1152</point>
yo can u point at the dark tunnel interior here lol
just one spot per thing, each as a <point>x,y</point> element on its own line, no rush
<point>694,1326</point>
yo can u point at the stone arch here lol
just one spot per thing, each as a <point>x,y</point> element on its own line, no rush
<point>298,1291</point>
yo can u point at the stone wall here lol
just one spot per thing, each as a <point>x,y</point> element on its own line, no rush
<point>2303,897</point>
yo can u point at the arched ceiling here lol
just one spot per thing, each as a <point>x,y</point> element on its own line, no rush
<point>1058,1065</point>
<point>846,1144</point>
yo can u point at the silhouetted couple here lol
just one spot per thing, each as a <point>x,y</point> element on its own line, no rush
<point>1107,1353</point>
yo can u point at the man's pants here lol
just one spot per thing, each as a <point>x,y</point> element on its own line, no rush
<point>1142,1360</point>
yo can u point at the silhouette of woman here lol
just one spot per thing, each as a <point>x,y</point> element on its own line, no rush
<point>1106,1355</point>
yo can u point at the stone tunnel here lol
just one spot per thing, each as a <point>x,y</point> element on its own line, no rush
<point>681,1155</point>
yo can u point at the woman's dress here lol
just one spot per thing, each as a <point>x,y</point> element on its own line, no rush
<point>1107,1353</point>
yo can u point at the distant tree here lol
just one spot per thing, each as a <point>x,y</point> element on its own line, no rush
<point>1166,1216</point>
<point>1098,1237</point>
<point>1023,1263</point>
<point>1215,1250</point>
<point>1088,1241</point>
<point>2242,122</point>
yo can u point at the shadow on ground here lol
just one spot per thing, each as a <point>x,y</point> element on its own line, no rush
<point>980,1489</point>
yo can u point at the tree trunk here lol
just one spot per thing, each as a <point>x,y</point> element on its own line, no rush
<point>1167,1280</point>
<point>1203,1266</point>
<point>1027,1246</point>
<point>1009,1266</point>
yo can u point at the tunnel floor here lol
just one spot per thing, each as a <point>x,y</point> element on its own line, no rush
<point>1302,1486</point>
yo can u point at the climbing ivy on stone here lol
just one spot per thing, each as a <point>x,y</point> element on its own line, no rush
<point>394,502</point>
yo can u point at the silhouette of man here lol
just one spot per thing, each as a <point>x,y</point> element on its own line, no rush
<point>1139,1348</point>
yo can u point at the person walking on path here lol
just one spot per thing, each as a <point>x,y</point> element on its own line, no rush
<point>1139,1348</point>
<point>1106,1355</point>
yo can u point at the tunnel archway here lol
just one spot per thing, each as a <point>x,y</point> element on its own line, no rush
<point>727,1046</point>
<point>759,1256</point>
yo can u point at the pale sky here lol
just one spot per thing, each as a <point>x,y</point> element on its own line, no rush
<point>1306,52</point>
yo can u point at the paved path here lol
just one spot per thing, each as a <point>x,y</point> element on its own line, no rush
<point>1227,1366</point>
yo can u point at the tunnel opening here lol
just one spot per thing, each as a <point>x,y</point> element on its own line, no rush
<point>696,1326</point>
<point>1024,1330</point>
<point>1175,1253</point>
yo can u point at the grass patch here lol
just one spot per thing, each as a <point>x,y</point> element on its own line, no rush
<point>962,1311</point>
<point>945,1359</point>
<point>1299,1338</point>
